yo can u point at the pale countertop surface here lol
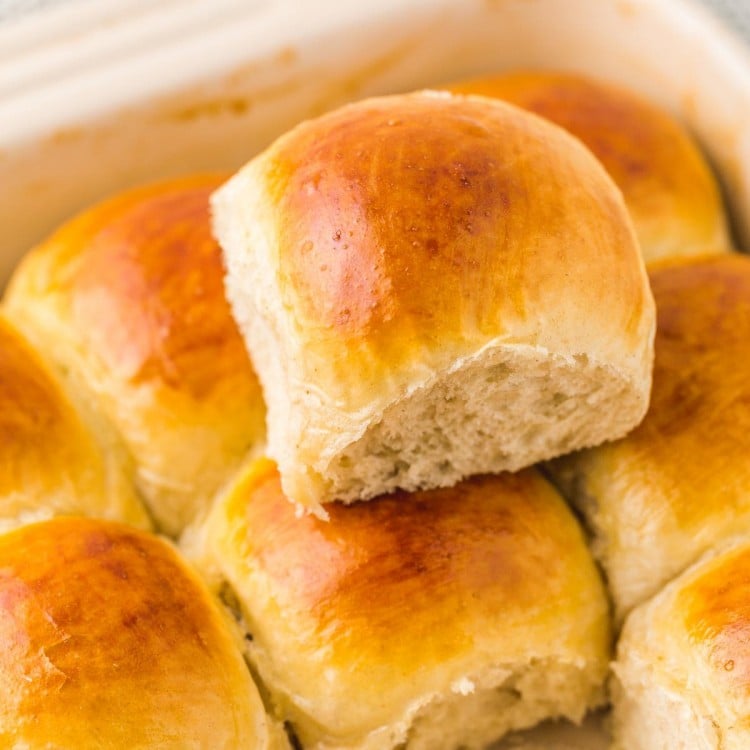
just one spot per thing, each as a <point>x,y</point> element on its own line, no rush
<point>736,13</point>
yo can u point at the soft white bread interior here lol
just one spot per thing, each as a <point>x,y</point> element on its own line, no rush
<point>127,300</point>
<point>56,458</point>
<point>439,619</point>
<point>669,188</point>
<point>680,483</point>
<point>682,675</point>
<point>433,286</point>
<point>110,641</point>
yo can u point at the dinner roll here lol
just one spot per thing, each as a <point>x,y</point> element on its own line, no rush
<point>440,619</point>
<point>53,461</point>
<point>128,299</point>
<point>683,665</point>
<point>111,642</point>
<point>433,286</point>
<point>680,482</point>
<point>669,188</point>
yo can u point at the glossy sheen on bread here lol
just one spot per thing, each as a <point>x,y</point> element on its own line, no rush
<point>439,619</point>
<point>111,642</point>
<point>667,184</point>
<point>433,286</point>
<point>680,483</point>
<point>128,300</point>
<point>53,461</point>
<point>683,664</point>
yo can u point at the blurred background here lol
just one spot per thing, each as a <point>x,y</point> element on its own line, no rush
<point>120,92</point>
<point>736,13</point>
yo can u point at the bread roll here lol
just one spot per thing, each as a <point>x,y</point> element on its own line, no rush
<point>128,299</point>
<point>680,482</point>
<point>433,286</point>
<point>52,460</point>
<point>110,642</point>
<point>683,665</point>
<point>440,619</point>
<point>669,188</point>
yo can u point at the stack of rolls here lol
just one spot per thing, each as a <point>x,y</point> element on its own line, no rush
<point>127,302</point>
<point>110,638</point>
<point>676,489</point>
<point>433,286</point>
<point>668,506</point>
<point>435,290</point>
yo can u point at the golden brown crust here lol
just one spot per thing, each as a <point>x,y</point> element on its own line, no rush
<point>356,619</point>
<point>436,228</point>
<point>699,418</point>
<point>110,642</point>
<point>700,388</point>
<point>407,245</point>
<point>668,187</point>
<point>683,666</point>
<point>145,280</point>
<point>50,462</point>
<point>429,550</point>
<point>703,330</point>
<point>129,295</point>
<point>680,482</point>
<point>715,611</point>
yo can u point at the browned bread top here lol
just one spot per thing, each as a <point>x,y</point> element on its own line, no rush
<point>128,297</point>
<point>110,641</point>
<point>668,186</point>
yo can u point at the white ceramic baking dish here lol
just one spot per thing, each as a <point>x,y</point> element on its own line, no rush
<point>95,96</point>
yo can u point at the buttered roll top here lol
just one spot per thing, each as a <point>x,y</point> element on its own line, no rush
<point>680,483</point>
<point>477,602</point>
<point>111,642</point>
<point>668,185</point>
<point>55,458</point>
<point>400,252</point>
<point>128,300</point>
